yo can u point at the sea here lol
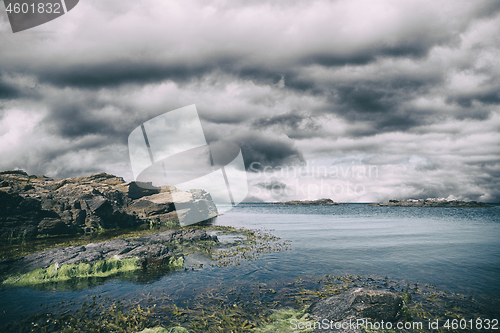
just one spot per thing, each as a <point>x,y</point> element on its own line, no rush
<point>453,249</point>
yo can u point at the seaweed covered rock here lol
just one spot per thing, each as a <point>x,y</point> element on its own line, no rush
<point>39,205</point>
<point>149,250</point>
<point>349,307</point>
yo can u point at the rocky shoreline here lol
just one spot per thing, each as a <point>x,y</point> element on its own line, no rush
<point>319,202</point>
<point>348,303</point>
<point>432,202</point>
<point>152,250</point>
<point>32,206</point>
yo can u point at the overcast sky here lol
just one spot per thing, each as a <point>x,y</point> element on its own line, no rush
<point>372,99</point>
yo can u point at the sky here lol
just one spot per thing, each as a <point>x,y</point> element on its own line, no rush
<point>357,101</point>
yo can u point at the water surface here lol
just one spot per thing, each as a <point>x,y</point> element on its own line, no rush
<point>455,249</point>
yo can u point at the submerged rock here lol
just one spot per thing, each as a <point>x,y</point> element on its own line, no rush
<point>349,307</point>
<point>39,205</point>
<point>150,250</point>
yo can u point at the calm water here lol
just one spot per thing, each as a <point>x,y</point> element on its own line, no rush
<point>455,249</point>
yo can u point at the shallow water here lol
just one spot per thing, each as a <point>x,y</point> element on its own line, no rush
<point>455,249</point>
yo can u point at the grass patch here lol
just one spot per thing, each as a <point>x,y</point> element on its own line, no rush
<point>56,273</point>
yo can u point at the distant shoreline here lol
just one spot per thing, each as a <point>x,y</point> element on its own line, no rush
<point>319,202</point>
<point>431,202</point>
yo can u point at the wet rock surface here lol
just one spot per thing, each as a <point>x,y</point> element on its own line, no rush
<point>348,307</point>
<point>39,205</point>
<point>150,249</point>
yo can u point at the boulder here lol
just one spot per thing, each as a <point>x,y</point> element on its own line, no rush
<point>374,305</point>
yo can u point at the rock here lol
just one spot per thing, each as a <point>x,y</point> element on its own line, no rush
<point>39,205</point>
<point>52,226</point>
<point>375,305</point>
<point>194,205</point>
<point>134,191</point>
<point>431,202</point>
<point>150,249</point>
<point>319,202</point>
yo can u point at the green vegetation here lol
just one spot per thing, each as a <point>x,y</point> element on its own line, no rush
<point>66,272</point>
<point>256,243</point>
<point>280,321</point>
<point>175,263</point>
<point>248,247</point>
<point>56,273</point>
<point>159,329</point>
<point>257,308</point>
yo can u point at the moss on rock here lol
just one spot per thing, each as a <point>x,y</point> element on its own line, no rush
<point>56,273</point>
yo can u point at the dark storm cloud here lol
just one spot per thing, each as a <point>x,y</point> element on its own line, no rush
<point>291,120</point>
<point>73,115</point>
<point>294,125</point>
<point>284,81</point>
<point>381,105</point>
<point>272,185</point>
<point>267,150</point>
<point>115,73</point>
<point>416,48</point>
<point>7,91</point>
<point>490,96</point>
<point>75,120</point>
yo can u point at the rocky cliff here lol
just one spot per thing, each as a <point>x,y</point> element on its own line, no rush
<point>38,205</point>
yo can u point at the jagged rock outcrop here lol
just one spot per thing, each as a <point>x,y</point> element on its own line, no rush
<point>347,309</point>
<point>431,202</point>
<point>319,202</point>
<point>39,205</point>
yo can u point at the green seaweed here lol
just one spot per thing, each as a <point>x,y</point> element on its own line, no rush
<point>159,329</point>
<point>66,272</point>
<point>56,273</point>
<point>280,321</point>
<point>175,263</point>
<point>260,309</point>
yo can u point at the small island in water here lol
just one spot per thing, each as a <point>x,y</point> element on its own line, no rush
<point>431,202</point>
<point>319,202</point>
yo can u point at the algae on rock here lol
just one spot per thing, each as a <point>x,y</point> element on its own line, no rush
<point>56,273</point>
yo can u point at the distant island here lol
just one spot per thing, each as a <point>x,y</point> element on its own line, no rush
<point>431,202</point>
<point>319,202</point>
